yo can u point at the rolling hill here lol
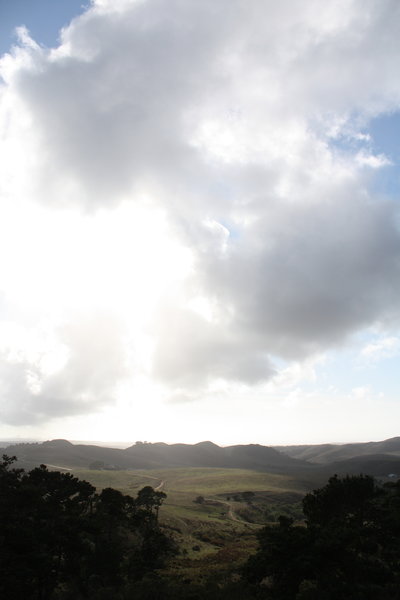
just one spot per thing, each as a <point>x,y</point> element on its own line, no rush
<point>379,459</point>
<point>65,455</point>
<point>329,453</point>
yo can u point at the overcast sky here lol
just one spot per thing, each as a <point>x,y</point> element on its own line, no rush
<point>199,220</point>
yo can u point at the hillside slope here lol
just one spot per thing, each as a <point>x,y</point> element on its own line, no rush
<point>64,454</point>
<point>329,453</point>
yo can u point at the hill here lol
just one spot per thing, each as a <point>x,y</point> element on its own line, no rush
<point>62,454</point>
<point>379,459</point>
<point>329,453</point>
<point>377,465</point>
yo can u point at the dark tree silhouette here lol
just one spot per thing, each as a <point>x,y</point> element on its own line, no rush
<point>59,539</point>
<point>349,547</point>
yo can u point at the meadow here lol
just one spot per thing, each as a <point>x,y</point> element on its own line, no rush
<point>212,513</point>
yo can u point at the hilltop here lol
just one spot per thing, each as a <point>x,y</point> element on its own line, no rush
<point>329,453</point>
<point>375,458</point>
<point>65,455</point>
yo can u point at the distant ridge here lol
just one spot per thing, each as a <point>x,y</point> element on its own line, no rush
<point>329,453</point>
<point>373,464</point>
<point>142,455</point>
<point>57,443</point>
<point>380,459</point>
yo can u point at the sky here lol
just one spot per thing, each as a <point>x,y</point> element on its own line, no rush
<point>199,220</point>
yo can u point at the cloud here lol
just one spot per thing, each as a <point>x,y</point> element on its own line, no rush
<point>304,277</point>
<point>125,101</point>
<point>91,363</point>
<point>222,117</point>
<point>386,347</point>
<point>192,351</point>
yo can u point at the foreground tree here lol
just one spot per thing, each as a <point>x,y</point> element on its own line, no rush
<point>59,539</point>
<point>349,547</point>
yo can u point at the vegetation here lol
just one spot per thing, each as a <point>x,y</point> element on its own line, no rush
<point>62,540</point>
<point>224,523</point>
<point>349,548</point>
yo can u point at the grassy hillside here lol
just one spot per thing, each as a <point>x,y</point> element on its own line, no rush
<point>63,454</point>
<point>223,523</point>
<point>183,485</point>
<point>329,453</point>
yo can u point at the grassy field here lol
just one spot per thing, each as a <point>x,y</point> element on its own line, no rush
<point>223,523</point>
<point>127,482</point>
<point>220,488</point>
<point>195,481</point>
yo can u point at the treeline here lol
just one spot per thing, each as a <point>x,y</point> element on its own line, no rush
<point>348,548</point>
<point>60,540</point>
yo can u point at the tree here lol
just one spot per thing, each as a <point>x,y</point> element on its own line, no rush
<point>149,501</point>
<point>43,518</point>
<point>58,536</point>
<point>349,547</point>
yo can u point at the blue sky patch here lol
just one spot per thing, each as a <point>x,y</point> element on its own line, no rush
<point>43,19</point>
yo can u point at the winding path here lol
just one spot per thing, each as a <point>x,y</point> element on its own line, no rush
<point>231,515</point>
<point>58,467</point>
<point>160,485</point>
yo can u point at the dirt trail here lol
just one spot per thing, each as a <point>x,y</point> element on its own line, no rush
<point>160,485</point>
<point>231,514</point>
<point>58,467</point>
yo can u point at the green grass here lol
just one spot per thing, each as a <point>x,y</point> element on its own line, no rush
<point>203,481</point>
<point>196,481</point>
<point>208,538</point>
<point>183,485</point>
<point>127,482</point>
<point>208,528</point>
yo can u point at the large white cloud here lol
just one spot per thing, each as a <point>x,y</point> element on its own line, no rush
<point>222,115</point>
<point>76,374</point>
